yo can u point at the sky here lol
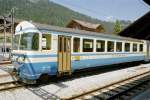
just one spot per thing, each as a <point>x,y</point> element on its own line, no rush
<point>108,10</point>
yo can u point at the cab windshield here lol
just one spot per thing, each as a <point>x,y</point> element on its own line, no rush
<point>26,41</point>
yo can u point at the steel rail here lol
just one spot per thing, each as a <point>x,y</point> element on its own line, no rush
<point>9,85</point>
<point>104,87</point>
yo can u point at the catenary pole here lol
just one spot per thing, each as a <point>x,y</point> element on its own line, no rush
<point>12,27</point>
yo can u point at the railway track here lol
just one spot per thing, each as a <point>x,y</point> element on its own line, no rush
<point>10,85</point>
<point>7,75</point>
<point>122,90</point>
<point>5,62</point>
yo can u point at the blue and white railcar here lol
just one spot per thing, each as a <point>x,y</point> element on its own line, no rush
<point>41,50</point>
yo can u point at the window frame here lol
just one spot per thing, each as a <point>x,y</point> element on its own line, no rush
<point>133,49</point>
<point>113,45</point>
<point>104,45</point>
<point>121,46</point>
<point>50,41</point>
<point>125,47</point>
<point>22,44</point>
<point>79,44</point>
<point>92,45</point>
<point>142,48</point>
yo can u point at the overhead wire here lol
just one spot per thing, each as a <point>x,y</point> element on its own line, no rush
<point>143,3</point>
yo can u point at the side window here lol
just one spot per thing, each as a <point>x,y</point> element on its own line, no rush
<point>127,47</point>
<point>134,47</point>
<point>87,45</point>
<point>100,46</point>
<point>46,41</point>
<point>35,42</point>
<point>119,46</point>
<point>76,45</point>
<point>141,48</point>
<point>110,46</point>
<point>24,42</point>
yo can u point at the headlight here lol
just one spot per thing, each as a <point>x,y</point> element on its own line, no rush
<point>21,59</point>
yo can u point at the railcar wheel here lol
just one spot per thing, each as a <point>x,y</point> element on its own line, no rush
<point>44,78</point>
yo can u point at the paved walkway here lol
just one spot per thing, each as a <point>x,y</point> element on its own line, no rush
<point>5,73</point>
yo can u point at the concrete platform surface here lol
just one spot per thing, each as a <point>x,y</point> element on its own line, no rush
<point>76,86</point>
<point>5,73</point>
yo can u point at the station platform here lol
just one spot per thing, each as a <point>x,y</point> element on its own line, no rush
<point>6,73</point>
<point>69,88</point>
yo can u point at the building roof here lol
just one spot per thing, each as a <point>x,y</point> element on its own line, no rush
<point>8,20</point>
<point>147,1</point>
<point>82,25</point>
<point>140,28</point>
<point>87,24</point>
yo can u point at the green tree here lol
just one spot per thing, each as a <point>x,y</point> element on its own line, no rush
<point>117,27</point>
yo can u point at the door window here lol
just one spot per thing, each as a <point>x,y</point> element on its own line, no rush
<point>46,41</point>
<point>76,45</point>
<point>100,46</point>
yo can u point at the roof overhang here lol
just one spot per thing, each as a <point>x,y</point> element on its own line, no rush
<point>140,29</point>
<point>147,1</point>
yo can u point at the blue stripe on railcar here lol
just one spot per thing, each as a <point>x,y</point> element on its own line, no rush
<point>26,72</point>
<point>33,70</point>
<point>105,61</point>
<point>78,54</point>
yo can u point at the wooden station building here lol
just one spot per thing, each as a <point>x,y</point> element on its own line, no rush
<point>82,25</point>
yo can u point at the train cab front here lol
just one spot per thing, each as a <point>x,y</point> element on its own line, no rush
<point>25,45</point>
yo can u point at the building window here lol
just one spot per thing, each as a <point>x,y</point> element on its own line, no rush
<point>100,46</point>
<point>76,45</point>
<point>5,50</point>
<point>127,47</point>
<point>110,46</point>
<point>118,46</point>
<point>46,41</point>
<point>134,47</point>
<point>87,45</point>
<point>141,48</point>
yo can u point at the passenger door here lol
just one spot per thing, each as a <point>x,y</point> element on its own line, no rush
<point>64,55</point>
<point>147,51</point>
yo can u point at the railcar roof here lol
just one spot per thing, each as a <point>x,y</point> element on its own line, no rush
<point>79,32</point>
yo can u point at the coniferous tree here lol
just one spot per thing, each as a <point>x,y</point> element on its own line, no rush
<point>117,27</point>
